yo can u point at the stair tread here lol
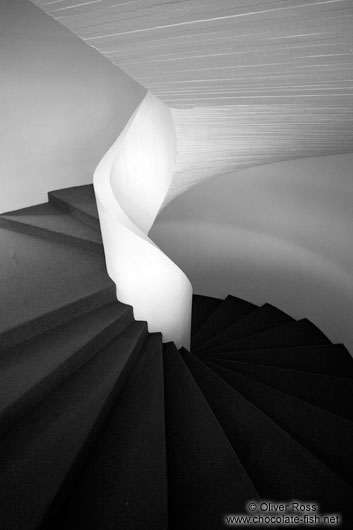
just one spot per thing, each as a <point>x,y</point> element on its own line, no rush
<point>331,393</point>
<point>331,359</point>
<point>326,435</point>
<point>206,480</point>
<point>261,319</point>
<point>278,465</point>
<point>55,436</point>
<point>32,369</point>
<point>77,199</point>
<point>229,311</point>
<point>40,278</point>
<point>297,333</point>
<point>48,218</point>
<point>90,402</point>
<point>128,464</point>
<point>202,308</point>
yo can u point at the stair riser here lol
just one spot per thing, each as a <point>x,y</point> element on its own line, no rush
<point>336,363</point>
<point>10,415</point>
<point>55,318</point>
<point>202,309</point>
<point>328,392</point>
<point>325,435</point>
<point>242,330</point>
<point>278,465</point>
<point>206,480</point>
<point>75,212</point>
<point>54,509</point>
<point>137,424</point>
<point>287,339</point>
<point>226,314</point>
<point>70,420</point>
<point>48,235</point>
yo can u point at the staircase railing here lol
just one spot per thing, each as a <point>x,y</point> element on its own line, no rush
<point>131,183</point>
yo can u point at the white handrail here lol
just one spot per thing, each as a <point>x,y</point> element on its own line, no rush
<point>131,183</point>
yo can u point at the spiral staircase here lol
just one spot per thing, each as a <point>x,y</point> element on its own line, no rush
<point>102,426</point>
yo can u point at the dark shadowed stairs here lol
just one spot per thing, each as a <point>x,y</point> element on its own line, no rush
<point>104,427</point>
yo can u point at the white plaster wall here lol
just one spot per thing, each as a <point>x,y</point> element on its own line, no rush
<point>279,233</point>
<point>62,105</point>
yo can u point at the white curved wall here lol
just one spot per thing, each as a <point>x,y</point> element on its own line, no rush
<point>130,184</point>
<point>280,233</point>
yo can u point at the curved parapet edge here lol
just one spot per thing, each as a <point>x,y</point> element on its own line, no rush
<point>130,183</point>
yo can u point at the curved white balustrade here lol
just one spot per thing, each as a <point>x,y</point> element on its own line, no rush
<point>130,184</point>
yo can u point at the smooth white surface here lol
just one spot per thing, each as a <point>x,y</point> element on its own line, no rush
<point>130,185</point>
<point>280,233</point>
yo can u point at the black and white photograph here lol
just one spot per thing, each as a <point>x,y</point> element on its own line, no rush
<point>176,264</point>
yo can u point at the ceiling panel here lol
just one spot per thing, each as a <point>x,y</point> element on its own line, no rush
<point>249,81</point>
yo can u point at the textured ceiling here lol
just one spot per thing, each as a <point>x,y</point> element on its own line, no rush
<point>249,81</point>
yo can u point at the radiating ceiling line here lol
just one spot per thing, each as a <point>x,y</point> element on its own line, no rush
<point>77,5</point>
<point>214,19</point>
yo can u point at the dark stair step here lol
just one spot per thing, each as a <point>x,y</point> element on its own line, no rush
<point>278,465</point>
<point>44,284</point>
<point>127,467</point>
<point>331,359</point>
<point>328,436</point>
<point>300,333</point>
<point>47,222</point>
<point>78,201</point>
<point>202,308</point>
<point>331,393</point>
<point>229,311</point>
<point>34,368</point>
<point>206,480</point>
<point>264,318</point>
<point>55,437</point>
